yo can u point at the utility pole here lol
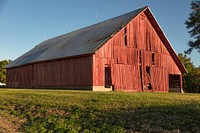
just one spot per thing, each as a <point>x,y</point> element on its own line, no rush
<point>67,26</point>
<point>97,15</point>
<point>45,35</point>
<point>139,4</point>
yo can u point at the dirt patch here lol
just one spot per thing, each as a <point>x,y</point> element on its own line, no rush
<point>7,126</point>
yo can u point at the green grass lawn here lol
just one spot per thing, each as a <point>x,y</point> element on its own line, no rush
<point>60,111</point>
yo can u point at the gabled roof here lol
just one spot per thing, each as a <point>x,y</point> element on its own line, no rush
<point>87,40</point>
<point>79,42</point>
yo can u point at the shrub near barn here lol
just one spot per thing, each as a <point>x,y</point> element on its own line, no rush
<point>3,71</point>
<point>191,80</point>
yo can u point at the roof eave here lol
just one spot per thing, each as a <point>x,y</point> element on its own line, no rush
<point>165,40</point>
<point>57,59</point>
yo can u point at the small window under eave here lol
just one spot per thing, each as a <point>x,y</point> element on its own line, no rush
<point>153,59</point>
<point>125,36</point>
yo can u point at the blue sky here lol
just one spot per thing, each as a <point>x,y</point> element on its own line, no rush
<point>26,23</point>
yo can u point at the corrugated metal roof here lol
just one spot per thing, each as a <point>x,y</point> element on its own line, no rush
<point>80,42</point>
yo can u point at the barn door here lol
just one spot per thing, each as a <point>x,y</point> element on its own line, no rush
<point>148,79</point>
<point>141,71</point>
<point>107,77</point>
<point>174,83</point>
<point>145,73</point>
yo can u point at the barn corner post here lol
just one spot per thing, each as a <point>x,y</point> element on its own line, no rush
<point>6,77</point>
<point>181,83</point>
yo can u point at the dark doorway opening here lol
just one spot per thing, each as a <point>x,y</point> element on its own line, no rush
<point>174,83</point>
<point>148,74</point>
<point>149,87</point>
<point>108,83</point>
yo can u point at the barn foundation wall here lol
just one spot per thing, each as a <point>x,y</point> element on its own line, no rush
<point>101,88</point>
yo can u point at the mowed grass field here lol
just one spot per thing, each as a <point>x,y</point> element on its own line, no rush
<point>26,110</point>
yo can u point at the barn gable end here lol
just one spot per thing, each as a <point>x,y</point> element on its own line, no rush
<point>124,59</point>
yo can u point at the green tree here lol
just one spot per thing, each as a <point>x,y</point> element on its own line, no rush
<point>186,62</point>
<point>191,80</point>
<point>3,70</point>
<point>193,25</point>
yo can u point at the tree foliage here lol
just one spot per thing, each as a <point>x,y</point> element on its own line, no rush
<point>191,80</point>
<point>186,62</point>
<point>193,25</point>
<point>3,70</point>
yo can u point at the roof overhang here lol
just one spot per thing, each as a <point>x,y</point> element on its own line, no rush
<point>52,60</point>
<point>164,39</point>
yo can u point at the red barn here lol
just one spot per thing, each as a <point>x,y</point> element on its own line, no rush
<point>126,53</point>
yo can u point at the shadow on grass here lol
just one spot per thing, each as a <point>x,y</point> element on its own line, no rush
<point>144,119</point>
<point>154,119</point>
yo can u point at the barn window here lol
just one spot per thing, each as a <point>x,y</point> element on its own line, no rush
<point>140,72</point>
<point>153,59</point>
<point>125,36</point>
<point>148,70</point>
<point>140,57</point>
<point>107,77</point>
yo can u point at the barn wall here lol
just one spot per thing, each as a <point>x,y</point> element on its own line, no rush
<point>75,72</point>
<point>22,76</point>
<point>142,40</point>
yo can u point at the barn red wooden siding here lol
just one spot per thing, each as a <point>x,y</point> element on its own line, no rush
<point>142,40</point>
<point>72,72</point>
<point>136,55</point>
